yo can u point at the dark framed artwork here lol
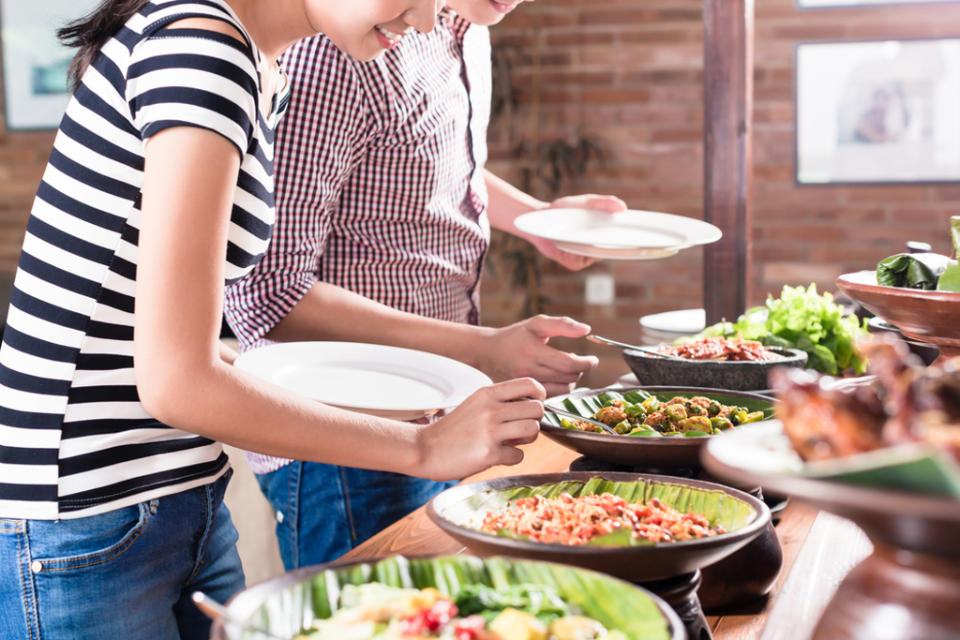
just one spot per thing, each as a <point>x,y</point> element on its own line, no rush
<point>823,4</point>
<point>34,62</point>
<point>882,111</point>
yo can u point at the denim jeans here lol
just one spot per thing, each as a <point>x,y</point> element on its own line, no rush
<point>324,511</point>
<point>124,574</point>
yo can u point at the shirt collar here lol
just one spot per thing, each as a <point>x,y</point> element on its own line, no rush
<point>458,25</point>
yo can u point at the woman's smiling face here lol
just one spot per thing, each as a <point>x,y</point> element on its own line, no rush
<point>364,29</point>
<point>484,12</point>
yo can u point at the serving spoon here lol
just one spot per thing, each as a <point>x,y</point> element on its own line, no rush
<point>216,611</point>
<point>614,343</point>
<point>575,416</point>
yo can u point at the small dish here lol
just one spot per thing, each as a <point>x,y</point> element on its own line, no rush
<point>391,382</point>
<point>627,235</point>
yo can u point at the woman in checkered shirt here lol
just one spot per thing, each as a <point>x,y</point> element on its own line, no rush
<point>384,215</point>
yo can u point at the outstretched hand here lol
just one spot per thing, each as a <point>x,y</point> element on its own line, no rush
<point>522,349</point>
<point>574,262</point>
<point>485,430</point>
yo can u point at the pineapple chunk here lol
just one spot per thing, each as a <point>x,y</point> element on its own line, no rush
<point>518,625</point>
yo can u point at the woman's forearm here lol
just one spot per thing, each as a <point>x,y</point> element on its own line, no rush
<point>507,203</point>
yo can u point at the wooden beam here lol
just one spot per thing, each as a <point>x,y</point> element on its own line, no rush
<point>728,164</point>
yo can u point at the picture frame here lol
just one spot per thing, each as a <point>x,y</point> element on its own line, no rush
<point>34,62</point>
<point>878,111</point>
<point>852,4</point>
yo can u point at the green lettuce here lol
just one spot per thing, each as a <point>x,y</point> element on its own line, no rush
<point>801,318</point>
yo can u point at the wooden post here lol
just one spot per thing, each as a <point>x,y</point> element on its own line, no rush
<point>728,165</point>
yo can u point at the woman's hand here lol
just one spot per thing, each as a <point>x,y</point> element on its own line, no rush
<point>483,431</point>
<point>521,350</point>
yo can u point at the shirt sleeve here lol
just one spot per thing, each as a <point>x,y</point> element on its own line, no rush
<point>195,78</point>
<point>320,141</point>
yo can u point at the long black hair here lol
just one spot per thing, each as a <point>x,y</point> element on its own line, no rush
<point>90,33</point>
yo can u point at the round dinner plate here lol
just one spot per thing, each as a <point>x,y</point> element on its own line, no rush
<point>627,235</point>
<point>391,382</point>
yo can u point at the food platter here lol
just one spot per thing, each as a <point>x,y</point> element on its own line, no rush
<point>456,511</point>
<point>287,605</point>
<point>391,382</point>
<point>654,453</point>
<point>928,316</point>
<point>627,235</point>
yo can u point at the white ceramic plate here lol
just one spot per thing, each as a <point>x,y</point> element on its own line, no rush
<point>628,235</point>
<point>391,382</point>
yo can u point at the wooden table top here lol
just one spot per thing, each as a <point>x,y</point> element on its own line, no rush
<point>824,546</point>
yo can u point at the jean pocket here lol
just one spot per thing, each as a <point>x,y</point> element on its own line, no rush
<point>62,545</point>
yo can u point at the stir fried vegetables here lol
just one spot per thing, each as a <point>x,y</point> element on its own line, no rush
<point>590,518</point>
<point>644,415</point>
<point>523,612</point>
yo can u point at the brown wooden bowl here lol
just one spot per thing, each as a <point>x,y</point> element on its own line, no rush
<point>661,454</point>
<point>637,563</point>
<point>928,316</point>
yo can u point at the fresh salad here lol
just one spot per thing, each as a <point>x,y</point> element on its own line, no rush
<point>375,611</point>
<point>801,318</point>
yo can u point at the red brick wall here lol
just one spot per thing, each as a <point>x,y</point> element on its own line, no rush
<point>630,72</point>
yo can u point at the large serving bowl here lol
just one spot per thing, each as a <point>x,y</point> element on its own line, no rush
<point>745,375</point>
<point>459,511</point>
<point>291,603</point>
<point>652,453</point>
<point>910,586</point>
<point>928,316</point>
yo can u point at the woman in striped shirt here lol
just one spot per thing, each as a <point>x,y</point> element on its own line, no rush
<point>114,392</point>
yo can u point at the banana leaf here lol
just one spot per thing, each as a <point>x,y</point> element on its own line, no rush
<point>586,406</point>
<point>616,604</point>
<point>717,507</point>
<point>912,270</point>
<point>950,278</point>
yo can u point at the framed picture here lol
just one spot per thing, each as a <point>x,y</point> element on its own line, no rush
<point>878,111</point>
<point>34,62</point>
<point>820,4</point>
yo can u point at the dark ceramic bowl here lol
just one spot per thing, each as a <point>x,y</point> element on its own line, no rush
<point>289,603</point>
<point>711,374</point>
<point>454,509</point>
<point>652,453</point>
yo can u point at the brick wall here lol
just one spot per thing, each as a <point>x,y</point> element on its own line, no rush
<point>630,72</point>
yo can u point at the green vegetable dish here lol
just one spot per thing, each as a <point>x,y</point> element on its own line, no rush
<point>926,271</point>
<point>376,611</point>
<point>801,318</point>
<point>638,413</point>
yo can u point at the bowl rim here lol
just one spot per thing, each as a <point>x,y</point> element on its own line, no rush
<point>656,442</point>
<point>791,357</point>
<point>761,513</point>
<point>853,282</point>
<point>245,602</point>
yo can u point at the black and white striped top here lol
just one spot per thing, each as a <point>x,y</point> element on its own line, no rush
<point>74,438</point>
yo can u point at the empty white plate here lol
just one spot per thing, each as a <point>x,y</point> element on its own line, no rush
<point>628,235</point>
<point>391,382</point>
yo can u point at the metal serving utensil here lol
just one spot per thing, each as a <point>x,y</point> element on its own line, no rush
<point>633,347</point>
<point>216,611</point>
<point>571,414</point>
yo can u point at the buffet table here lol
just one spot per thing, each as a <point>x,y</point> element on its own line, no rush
<point>822,548</point>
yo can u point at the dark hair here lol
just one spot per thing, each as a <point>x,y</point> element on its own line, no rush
<point>90,33</point>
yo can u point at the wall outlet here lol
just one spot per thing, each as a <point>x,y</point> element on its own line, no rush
<point>600,289</point>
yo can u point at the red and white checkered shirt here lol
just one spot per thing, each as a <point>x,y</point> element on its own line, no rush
<point>380,185</point>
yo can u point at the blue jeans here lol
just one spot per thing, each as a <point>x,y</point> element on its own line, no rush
<point>125,574</point>
<point>324,511</point>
